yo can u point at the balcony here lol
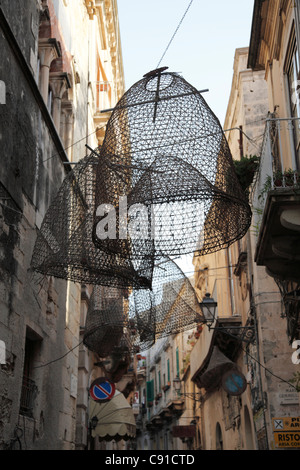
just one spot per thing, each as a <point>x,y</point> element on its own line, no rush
<point>276,202</point>
<point>103,96</point>
<point>176,404</point>
<point>103,99</point>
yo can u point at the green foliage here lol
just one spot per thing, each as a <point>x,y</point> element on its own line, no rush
<point>296,380</point>
<point>288,178</point>
<point>245,169</point>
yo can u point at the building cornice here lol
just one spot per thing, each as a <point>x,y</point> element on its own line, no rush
<point>255,37</point>
<point>113,37</point>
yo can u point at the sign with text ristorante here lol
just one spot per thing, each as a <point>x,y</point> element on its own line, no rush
<point>286,432</point>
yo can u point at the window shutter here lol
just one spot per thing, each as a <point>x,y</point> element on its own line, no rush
<point>177,362</point>
<point>150,391</point>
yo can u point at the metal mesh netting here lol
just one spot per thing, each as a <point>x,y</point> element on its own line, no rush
<point>106,321</point>
<point>170,307</point>
<point>165,178</point>
<point>165,158</point>
<point>64,247</point>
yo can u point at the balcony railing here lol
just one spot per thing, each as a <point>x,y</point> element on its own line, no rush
<point>28,394</point>
<point>103,95</point>
<point>276,201</point>
<point>278,159</point>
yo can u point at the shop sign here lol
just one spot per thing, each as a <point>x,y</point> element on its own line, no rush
<point>286,432</point>
<point>288,395</point>
<point>184,431</point>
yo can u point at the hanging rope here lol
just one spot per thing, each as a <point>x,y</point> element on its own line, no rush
<point>175,33</point>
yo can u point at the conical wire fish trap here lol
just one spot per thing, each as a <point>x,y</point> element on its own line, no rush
<point>112,326</point>
<point>166,160</point>
<point>64,247</point>
<point>106,320</point>
<point>171,306</point>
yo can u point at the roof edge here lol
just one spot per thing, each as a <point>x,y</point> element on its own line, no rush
<point>255,36</point>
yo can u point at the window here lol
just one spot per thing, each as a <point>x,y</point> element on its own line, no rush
<point>219,438</point>
<point>159,382</point>
<point>168,370</point>
<point>50,101</point>
<point>150,392</point>
<point>292,70</point>
<point>177,362</point>
<point>29,388</point>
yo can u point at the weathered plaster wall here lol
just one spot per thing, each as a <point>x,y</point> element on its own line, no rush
<point>29,180</point>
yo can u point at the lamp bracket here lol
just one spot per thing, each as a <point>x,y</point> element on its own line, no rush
<point>245,334</point>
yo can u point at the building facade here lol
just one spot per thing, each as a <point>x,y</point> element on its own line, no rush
<point>166,418</point>
<point>256,281</point>
<point>241,377</point>
<point>61,67</point>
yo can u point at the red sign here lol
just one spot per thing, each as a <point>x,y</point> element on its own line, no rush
<point>184,431</point>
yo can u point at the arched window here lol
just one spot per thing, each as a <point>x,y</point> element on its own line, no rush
<point>248,430</point>
<point>219,437</point>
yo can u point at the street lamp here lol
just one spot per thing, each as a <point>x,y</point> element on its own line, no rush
<point>94,422</point>
<point>177,387</point>
<point>177,384</point>
<point>243,333</point>
<point>208,307</point>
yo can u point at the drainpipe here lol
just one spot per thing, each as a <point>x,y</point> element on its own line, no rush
<point>88,92</point>
<point>297,25</point>
<point>241,144</point>
<point>256,336</point>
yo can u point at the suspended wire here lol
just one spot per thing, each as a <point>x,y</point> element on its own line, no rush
<point>75,143</point>
<point>175,33</point>
<point>268,370</point>
<point>245,351</point>
<point>59,358</point>
<point>201,137</point>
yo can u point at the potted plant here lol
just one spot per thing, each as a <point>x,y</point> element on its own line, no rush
<point>288,178</point>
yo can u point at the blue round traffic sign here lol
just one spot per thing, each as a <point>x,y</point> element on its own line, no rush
<point>234,382</point>
<point>102,389</point>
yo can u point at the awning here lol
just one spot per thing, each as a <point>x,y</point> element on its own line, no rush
<point>115,419</point>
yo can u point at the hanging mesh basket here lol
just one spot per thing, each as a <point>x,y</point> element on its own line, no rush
<point>169,307</point>
<point>165,155</point>
<point>64,247</point>
<point>105,321</point>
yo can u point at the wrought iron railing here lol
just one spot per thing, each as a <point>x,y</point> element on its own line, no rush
<point>28,394</point>
<point>103,92</point>
<point>279,147</point>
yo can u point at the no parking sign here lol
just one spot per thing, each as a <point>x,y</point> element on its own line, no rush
<point>102,390</point>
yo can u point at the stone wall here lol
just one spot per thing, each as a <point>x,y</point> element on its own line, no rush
<point>32,307</point>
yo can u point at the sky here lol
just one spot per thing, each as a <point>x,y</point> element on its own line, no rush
<point>202,50</point>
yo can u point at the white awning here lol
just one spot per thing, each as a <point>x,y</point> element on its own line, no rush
<point>115,418</point>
